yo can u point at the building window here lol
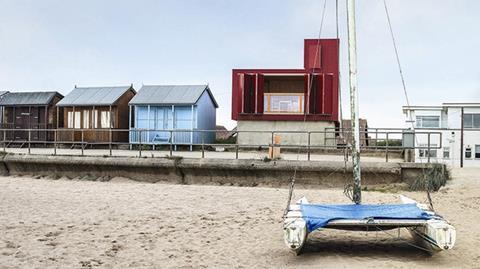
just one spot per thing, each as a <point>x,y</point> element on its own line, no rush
<point>105,119</point>
<point>95,118</point>
<point>446,152</point>
<point>471,120</point>
<point>477,151</point>
<point>428,121</point>
<point>73,119</point>
<point>77,119</point>
<point>468,153</point>
<point>424,152</point>
<point>86,119</point>
<point>183,118</point>
<point>70,119</point>
<point>283,103</point>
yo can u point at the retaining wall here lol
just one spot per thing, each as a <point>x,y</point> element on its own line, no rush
<point>209,171</point>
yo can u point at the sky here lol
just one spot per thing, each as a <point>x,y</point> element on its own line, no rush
<point>56,44</point>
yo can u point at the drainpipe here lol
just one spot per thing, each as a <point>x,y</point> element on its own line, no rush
<point>461,139</point>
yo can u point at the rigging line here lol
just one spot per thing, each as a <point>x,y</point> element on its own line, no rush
<point>406,96</point>
<point>292,182</point>
<point>348,187</point>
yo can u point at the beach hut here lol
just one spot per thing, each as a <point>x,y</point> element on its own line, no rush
<point>29,110</point>
<point>160,111</point>
<point>95,114</point>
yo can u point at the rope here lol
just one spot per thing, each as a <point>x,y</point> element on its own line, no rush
<point>427,184</point>
<point>292,182</point>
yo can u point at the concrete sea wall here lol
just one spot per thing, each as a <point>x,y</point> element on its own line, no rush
<point>209,171</point>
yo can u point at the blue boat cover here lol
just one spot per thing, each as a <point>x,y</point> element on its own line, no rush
<point>318,216</point>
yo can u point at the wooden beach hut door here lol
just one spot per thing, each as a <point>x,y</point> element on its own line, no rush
<point>21,122</point>
<point>38,121</point>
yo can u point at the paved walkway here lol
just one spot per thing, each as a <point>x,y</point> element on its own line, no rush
<point>192,154</point>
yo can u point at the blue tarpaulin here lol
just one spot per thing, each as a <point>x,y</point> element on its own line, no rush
<point>318,216</point>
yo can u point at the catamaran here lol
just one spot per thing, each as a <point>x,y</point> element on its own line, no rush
<point>433,231</point>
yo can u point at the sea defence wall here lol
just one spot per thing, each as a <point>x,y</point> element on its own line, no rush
<point>210,171</point>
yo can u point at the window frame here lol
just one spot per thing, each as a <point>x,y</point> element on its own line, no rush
<point>477,153</point>
<point>471,123</point>
<point>469,152</point>
<point>446,150</point>
<point>419,121</point>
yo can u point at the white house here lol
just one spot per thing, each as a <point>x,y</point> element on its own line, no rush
<point>447,121</point>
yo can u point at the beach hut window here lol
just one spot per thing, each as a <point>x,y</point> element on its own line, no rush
<point>183,118</point>
<point>86,119</point>
<point>70,119</point>
<point>477,151</point>
<point>142,117</point>
<point>95,118</point>
<point>77,119</point>
<point>73,120</point>
<point>105,119</point>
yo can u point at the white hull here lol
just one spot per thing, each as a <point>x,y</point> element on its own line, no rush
<point>434,235</point>
<point>295,228</point>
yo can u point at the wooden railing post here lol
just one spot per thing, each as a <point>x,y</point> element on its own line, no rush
<point>82,142</point>
<point>29,138</point>
<point>140,143</point>
<point>203,145</point>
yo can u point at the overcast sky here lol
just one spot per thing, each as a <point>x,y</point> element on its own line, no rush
<point>53,45</point>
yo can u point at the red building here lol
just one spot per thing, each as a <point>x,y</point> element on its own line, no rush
<point>282,99</point>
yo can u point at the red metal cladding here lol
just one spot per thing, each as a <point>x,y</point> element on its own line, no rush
<point>320,76</point>
<point>260,91</point>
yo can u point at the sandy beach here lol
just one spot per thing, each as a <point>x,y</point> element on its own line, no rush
<point>46,223</point>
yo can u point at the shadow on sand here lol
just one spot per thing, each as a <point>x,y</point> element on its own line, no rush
<point>360,244</point>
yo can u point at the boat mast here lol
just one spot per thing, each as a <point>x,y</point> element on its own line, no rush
<point>352,62</point>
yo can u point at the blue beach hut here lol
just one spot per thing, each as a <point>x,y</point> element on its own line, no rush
<point>170,114</point>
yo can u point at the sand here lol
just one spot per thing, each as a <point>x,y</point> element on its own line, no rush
<point>46,223</point>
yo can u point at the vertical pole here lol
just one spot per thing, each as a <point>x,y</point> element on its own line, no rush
<point>58,116</point>
<point>14,122</point>
<point>308,147</point>
<point>272,144</point>
<point>29,125</point>
<point>191,134</point>
<point>171,143</point>
<point>428,148</point>
<point>140,143</point>
<point>461,139</point>
<point>82,142</point>
<point>73,132</point>
<point>148,122</point>
<point>236,146</point>
<point>110,132</point>
<point>29,138</point>
<point>94,123</point>
<point>352,60</point>
<point>129,125</point>
<point>386,150</point>
<point>46,124</point>
<point>203,145</point>
<point>55,142</point>
<point>172,127</point>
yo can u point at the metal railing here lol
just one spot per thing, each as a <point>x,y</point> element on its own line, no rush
<point>304,142</point>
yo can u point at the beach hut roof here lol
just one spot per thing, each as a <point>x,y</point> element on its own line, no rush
<point>94,96</point>
<point>27,98</point>
<point>171,95</point>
